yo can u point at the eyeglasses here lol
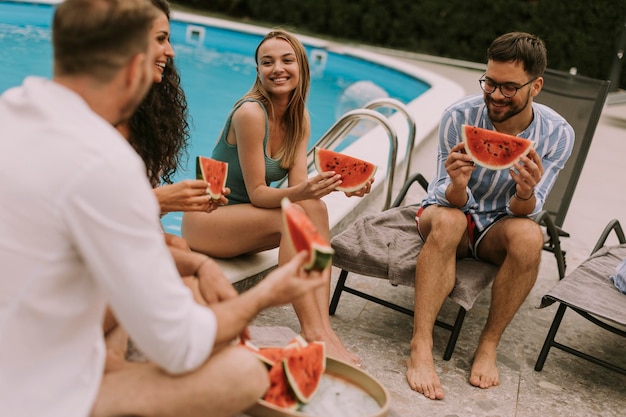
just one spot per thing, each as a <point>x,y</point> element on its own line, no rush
<point>508,90</point>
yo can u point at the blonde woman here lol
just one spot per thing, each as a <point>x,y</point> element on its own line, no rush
<point>265,139</point>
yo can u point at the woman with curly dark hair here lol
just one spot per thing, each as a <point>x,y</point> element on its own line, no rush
<point>159,132</point>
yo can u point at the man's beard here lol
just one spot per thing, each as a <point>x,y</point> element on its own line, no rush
<point>497,116</point>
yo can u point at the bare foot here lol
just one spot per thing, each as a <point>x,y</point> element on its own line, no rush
<point>336,350</point>
<point>484,373</point>
<point>421,374</point>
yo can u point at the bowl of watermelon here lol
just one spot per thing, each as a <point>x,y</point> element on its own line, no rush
<point>305,383</point>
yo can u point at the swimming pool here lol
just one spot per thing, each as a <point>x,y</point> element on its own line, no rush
<point>216,63</point>
<point>216,66</point>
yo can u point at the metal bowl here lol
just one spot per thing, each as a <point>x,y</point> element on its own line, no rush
<point>345,371</point>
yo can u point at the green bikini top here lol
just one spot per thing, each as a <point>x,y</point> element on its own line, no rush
<point>226,152</point>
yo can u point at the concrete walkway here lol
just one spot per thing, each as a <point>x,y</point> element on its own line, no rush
<point>567,386</point>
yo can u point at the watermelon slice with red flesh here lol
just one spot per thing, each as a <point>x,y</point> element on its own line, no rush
<point>214,172</point>
<point>493,150</point>
<point>355,173</point>
<point>280,393</point>
<point>302,235</point>
<point>271,355</point>
<point>304,368</point>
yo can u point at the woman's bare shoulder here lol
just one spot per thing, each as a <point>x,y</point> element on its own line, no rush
<point>249,111</point>
<point>254,107</point>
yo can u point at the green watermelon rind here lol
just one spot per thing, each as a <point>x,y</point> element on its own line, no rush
<point>343,188</point>
<point>323,256</point>
<point>487,165</point>
<point>320,255</point>
<point>200,176</point>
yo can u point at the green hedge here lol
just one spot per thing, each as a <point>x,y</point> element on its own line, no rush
<point>578,33</point>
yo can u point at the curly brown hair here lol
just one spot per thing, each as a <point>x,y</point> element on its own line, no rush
<point>159,128</point>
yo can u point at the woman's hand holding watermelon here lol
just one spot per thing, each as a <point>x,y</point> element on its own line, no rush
<point>317,186</point>
<point>360,193</point>
<point>357,175</point>
<point>187,195</point>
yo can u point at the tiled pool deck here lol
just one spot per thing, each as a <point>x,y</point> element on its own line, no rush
<point>567,386</point>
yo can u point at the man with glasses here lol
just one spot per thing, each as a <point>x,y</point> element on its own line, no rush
<point>472,211</point>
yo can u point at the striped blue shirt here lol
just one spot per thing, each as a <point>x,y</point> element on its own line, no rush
<point>490,191</point>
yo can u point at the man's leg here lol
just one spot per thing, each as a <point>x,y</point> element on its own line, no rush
<point>516,244</point>
<point>445,230</point>
<point>228,383</point>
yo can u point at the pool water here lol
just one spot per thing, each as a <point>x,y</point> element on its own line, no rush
<point>217,67</point>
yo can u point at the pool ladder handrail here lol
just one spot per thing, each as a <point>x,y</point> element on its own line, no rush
<point>339,130</point>
<point>412,126</point>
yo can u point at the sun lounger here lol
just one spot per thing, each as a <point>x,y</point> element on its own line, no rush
<point>588,291</point>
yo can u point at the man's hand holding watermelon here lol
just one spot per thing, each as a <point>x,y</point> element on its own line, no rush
<point>527,173</point>
<point>459,167</point>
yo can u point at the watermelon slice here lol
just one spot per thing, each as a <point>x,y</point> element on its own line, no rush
<point>295,374</point>
<point>271,355</point>
<point>355,173</point>
<point>493,150</point>
<point>303,235</point>
<point>279,393</point>
<point>262,356</point>
<point>304,369</point>
<point>214,172</point>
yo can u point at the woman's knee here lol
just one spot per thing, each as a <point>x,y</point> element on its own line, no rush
<point>314,208</point>
<point>317,211</point>
<point>191,227</point>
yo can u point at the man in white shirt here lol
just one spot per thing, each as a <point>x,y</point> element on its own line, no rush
<point>79,230</point>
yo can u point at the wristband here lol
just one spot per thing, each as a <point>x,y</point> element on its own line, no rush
<point>524,199</point>
<point>195,273</point>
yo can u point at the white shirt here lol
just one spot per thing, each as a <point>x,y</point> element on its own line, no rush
<point>79,228</point>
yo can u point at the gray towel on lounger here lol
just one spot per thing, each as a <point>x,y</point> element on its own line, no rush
<point>588,286</point>
<point>386,245</point>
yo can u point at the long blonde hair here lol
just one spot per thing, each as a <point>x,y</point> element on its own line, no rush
<point>295,118</point>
